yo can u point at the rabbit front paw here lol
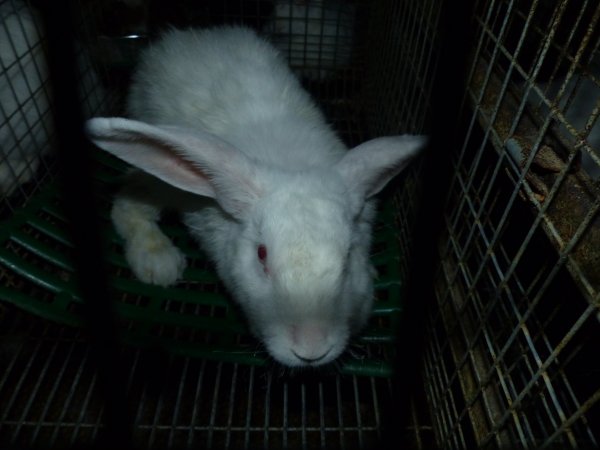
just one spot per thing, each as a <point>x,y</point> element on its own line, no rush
<point>154,259</point>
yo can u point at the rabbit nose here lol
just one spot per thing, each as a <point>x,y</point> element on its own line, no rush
<point>311,359</point>
<point>310,342</point>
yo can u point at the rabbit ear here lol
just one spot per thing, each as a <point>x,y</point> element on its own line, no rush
<point>190,160</point>
<point>368,167</point>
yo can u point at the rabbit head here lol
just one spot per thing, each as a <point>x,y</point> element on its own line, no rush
<point>290,268</point>
<point>294,252</point>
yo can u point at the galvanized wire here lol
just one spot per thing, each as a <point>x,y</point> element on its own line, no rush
<point>516,346</point>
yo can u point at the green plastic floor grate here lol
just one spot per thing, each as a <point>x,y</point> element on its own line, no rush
<point>195,317</point>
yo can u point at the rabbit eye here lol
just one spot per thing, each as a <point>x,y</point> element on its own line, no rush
<point>261,252</point>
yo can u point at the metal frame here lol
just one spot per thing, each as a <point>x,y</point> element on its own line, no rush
<point>511,342</point>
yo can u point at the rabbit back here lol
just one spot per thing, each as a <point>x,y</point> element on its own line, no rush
<point>231,83</point>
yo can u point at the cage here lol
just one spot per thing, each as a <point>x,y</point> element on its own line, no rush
<point>486,321</point>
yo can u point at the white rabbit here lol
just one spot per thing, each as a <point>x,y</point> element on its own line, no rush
<point>25,119</point>
<point>314,35</point>
<point>281,206</point>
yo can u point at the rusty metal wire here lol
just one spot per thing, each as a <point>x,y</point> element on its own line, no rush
<point>511,343</point>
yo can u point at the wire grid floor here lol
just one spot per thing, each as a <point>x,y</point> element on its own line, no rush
<point>49,399</point>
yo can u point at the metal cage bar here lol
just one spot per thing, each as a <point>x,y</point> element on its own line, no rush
<point>517,299</point>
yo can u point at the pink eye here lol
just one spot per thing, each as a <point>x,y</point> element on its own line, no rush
<point>261,252</point>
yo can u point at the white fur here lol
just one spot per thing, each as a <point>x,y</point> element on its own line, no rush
<point>150,254</point>
<point>233,128</point>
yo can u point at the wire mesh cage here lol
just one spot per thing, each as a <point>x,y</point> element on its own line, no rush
<point>511,342</point>
<point>27,127</point>
<point>510,357</point>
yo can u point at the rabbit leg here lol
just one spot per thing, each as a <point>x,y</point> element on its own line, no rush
<point>151,255</point>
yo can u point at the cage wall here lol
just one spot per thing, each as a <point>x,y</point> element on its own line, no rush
<point>511,356</point>
<point>26,123</point>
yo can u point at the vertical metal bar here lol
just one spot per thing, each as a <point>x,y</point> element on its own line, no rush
<point>322,415</point>
<point>176,408</point>
<point>267,409</point>
<point>141,405</point>
<point>197,399</point>
<point>376,407</point>
<point>133,367</point>
<point>303,414</point>
<point>357,411</point>
<point>415,426</point>
<point>231,405</point>
<point>85,409</point>
<point>284,428</point>
<point>158,409</point>
<point>213,408</point>
<point>340,412</point>
<point>249,408</point>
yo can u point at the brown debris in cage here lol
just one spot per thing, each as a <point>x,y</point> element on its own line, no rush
<point>572,216</point>
<point>571,205</point>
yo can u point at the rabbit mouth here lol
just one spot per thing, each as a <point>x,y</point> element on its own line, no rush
<point>312,359</point>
